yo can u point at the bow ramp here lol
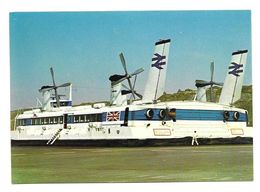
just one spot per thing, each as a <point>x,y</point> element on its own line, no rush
<point>232,87</point>
<point>157,74</point>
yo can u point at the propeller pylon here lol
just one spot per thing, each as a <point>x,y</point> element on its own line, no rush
<point>54,87</point>
<point>203,83</point>
<point>116,79</point>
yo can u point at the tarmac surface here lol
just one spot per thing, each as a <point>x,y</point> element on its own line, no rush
<point>131,164</point>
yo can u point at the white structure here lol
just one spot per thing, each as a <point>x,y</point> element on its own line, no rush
<point>157,75</point>
<point>146,122</point>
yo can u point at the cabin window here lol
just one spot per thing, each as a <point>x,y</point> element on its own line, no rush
<point>93,117</point>
<point>60,120</point>
<point>55,120</point>
<point>28,121</point>
<point>82,118</point>
<point>33,121</point>
<point>87,118</point>
<point>51,120</point>
<point>99,117</point>
<point>70,119</point>
<point>76,118</point>
<point>47,120</point>
<point>18,122</point>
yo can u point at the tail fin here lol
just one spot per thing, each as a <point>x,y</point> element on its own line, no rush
<point>231,91</point>
<point>157,74</point>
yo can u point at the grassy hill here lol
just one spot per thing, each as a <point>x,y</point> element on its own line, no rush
<point>188,94</point>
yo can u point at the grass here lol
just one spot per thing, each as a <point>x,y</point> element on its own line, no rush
<point>152,164</point>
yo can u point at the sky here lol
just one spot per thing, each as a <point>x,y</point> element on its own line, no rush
<point>83,48</point>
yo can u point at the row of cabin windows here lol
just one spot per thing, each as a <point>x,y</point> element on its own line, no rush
<point>40,121</point>
<point>87,118</point>
<point>59,120</point>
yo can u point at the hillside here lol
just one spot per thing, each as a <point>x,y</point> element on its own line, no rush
<point>188,94</point>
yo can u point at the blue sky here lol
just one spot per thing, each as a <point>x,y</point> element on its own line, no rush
<point>83,48</point>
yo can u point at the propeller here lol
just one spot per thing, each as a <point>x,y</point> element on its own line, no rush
<point>202,83</point>
<point>120,78</point>
<point>127,91</point>
<point>211,79</point>
<point>54,87</point>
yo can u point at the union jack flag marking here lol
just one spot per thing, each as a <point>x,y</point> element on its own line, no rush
<point>113,116</point>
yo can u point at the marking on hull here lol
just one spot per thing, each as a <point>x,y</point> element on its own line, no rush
<point>162,132</point>
<point>237,131</point>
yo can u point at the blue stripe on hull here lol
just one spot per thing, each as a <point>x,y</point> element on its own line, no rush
<point>187,114</point>
<point>181,114</point>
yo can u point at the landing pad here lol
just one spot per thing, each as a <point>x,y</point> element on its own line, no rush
<point>132,164</point>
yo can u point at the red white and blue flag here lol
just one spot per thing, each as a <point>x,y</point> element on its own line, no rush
<point>113,116</point>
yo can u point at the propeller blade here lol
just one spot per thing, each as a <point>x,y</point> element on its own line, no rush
<point>134,82</point>
<point>55,88</point>
<point>128,76</point>
<point>212,70</point>
<point>139,95</point>
<point>127,91</point>
<point>202,83</point>
<point>57,97</point>
<point>122,58</point>
<point>131,87</point>
<point>134,85</point>
<point>64,85</point>
<point>211,80</point>
<point>126,87</point>
<point>219,84</point>
<point>137,72</point>
<point>52,75</point>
